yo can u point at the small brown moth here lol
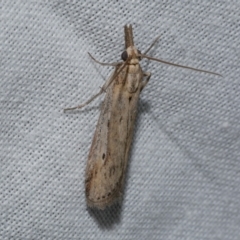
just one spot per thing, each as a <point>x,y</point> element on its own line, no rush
<point>108,157</point>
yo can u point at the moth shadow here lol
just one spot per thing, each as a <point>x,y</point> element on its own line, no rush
<point>108,217</point>
<point>144,106</point>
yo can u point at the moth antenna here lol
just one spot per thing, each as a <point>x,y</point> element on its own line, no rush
<point>178,65</point>
<point>151,45</point>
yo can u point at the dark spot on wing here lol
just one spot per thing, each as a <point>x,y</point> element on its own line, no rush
<point>108,124</point>
<point>103,156</point>
<point>129,99</point>
<point>89,178</point>
<point>120,120</point>
<point>88,183</point>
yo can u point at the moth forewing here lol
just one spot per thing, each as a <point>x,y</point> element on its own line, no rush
<point>107,162</point>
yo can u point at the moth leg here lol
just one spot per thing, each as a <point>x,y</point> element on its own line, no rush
<point>87,102</point>
<point>102,63</point>
<point>144,83</point>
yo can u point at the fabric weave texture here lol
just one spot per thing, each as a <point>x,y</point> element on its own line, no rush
<point>183,179</point>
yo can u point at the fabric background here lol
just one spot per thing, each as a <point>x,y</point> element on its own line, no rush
<point>183,180</point>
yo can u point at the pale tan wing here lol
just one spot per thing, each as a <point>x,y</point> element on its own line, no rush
<point>110,148</point>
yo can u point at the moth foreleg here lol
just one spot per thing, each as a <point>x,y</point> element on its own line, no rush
<point>87,102</point>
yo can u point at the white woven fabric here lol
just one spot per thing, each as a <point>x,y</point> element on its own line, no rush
<point>184,174</point>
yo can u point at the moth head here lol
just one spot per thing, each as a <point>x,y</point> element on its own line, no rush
<point>133,54</point>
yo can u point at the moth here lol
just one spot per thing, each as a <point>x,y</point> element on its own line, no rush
<point>109,152</point>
